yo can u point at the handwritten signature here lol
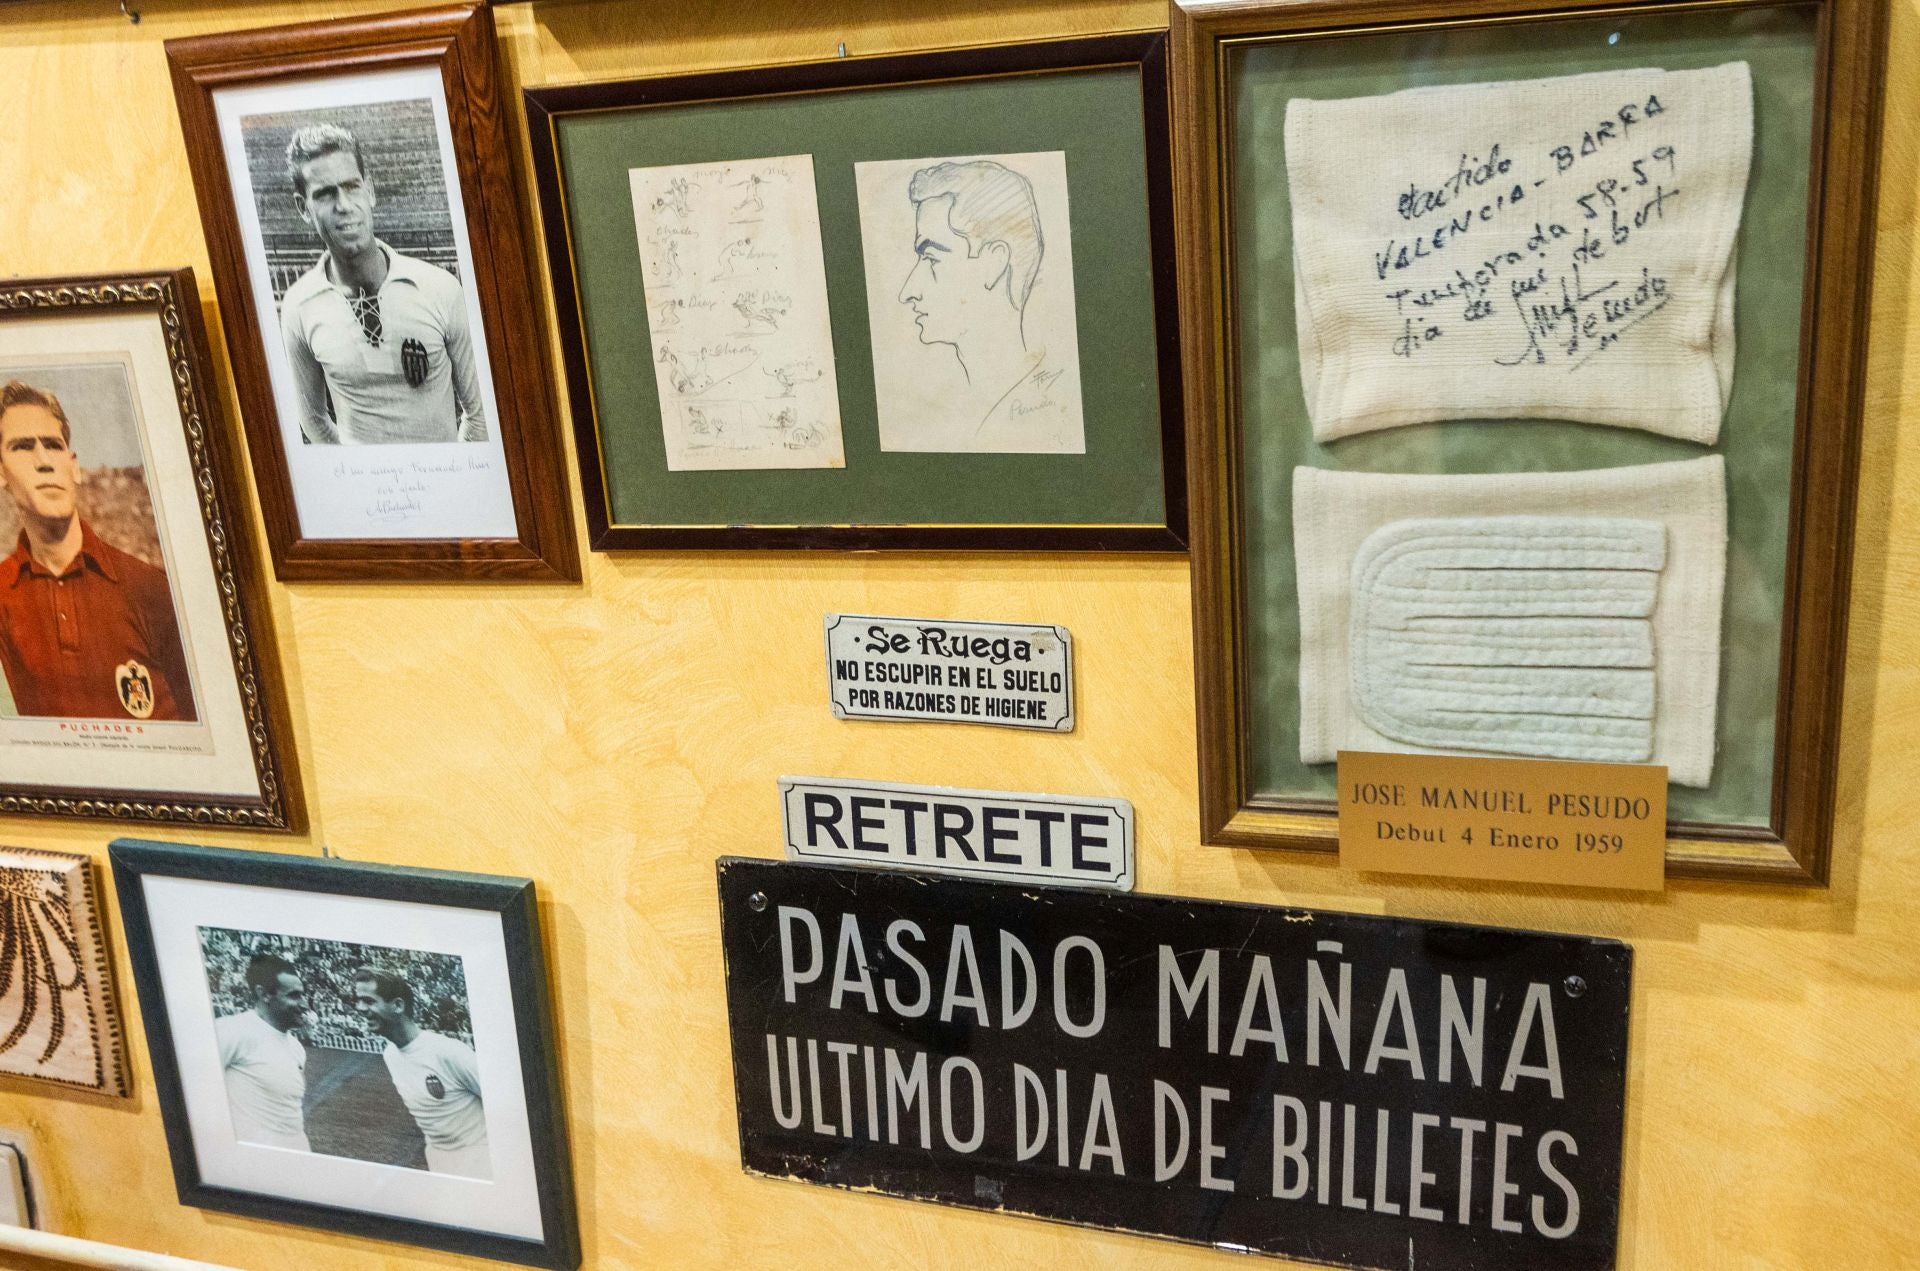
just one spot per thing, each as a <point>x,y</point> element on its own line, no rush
<point>1570,275</point>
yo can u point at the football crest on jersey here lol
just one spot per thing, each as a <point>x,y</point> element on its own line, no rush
<point>134,684</point>
<point>413,361</point>
<point>435,1087</point>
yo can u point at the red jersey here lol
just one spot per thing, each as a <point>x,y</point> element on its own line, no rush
<point>97,641</point>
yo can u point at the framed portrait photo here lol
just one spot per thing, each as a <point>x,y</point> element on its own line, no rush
<point>363,1048</point>
<point>363,220</point>
<point>1529,428</point>
<point>917,301</point>
<point>138,673</point>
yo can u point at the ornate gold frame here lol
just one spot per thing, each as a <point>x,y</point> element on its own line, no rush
<point>174,300</point>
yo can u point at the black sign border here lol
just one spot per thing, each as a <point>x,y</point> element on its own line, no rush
<point>747,875</point>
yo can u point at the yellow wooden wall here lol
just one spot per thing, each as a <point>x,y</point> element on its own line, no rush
<point>611,739</point>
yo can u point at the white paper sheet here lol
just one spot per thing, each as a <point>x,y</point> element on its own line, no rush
<point>736,290</point>
<point>970,301</point>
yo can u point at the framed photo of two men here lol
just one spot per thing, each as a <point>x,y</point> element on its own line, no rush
<point>1528,426</point>
<point>362,1048</point>
<point>138,674</point>
<point>916,301</point>
<point>357,192</point>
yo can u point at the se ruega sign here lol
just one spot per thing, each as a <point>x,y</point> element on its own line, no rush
<point>1519,820</point>
<point>1017,675</point>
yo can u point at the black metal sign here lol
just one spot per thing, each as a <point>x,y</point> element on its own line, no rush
<point>1351,1090</point>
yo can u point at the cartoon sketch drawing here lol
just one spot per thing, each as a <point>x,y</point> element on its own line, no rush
<point>793,374</point>
<point>752,204</point>
<point>691,378</point>
<point>977,253</point>
<point>758,316</point>
<point>795,435</point>
<point>733,257</point>
<point>717,426</point>
<point>735,289</point>
<point>675,200</point>
<point>666,268</point>
<point>743,427</point>
<point>684,378</point>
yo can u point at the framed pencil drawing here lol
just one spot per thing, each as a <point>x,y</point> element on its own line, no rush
<point>363,220</point>
<point>361,1048</point>
<point>1530,427</point>
<point>141,680</point>
<point>920,301</point>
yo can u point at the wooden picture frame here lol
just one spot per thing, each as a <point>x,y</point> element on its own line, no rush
<point>494,508</point>
<point>130,353</point>
<point>1840,48</point>
<point>1124,490</point>
<point>465,934</point>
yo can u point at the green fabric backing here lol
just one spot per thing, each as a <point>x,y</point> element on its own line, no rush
<point>1093,115</point>
<point>1756,435</point>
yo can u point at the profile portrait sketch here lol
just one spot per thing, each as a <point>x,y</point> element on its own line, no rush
<point>970,300</point>
<point>377,329</point>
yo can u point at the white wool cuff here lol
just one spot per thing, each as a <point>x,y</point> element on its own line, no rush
<point>1567,614</point>
<point>1532,249</point>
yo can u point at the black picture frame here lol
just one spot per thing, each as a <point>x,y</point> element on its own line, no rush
<point>1145,52</point>
<point>513,899</point>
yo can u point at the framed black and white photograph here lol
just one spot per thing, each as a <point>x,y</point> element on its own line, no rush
<point>138,671</point>
<point>361,218</point>
<point>377,332</point>
<point>363,1048</point>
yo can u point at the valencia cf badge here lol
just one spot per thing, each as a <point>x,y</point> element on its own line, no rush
<point>413,360</point>
<point>435,1087</point>
<point>134,683</point>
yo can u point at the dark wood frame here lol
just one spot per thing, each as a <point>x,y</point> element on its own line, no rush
<point>173,299</point>
<point>1147,51</point>
<point>1851,37</point>
<point>511,898</point>
<point>459,42</point>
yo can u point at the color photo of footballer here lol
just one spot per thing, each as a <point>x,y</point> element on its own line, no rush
<point>88,625</point>
<point>346,1049</point>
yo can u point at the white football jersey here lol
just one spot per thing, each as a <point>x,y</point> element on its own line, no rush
<point>266,1076</point>
<point>439,1082</point>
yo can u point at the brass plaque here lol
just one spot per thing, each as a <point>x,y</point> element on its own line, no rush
<point>1521,820</point>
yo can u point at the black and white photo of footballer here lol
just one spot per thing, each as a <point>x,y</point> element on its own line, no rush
<point>363,256</point>
<point>347,1050</point>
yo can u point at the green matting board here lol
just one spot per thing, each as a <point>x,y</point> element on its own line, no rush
<point>1093,115</point>
<point>1756,435</point>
